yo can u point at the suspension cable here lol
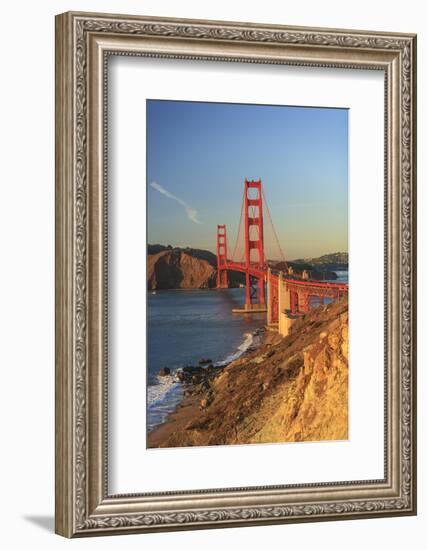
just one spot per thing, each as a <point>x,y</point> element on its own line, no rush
<point>274,231</point>
<point>238,231</point>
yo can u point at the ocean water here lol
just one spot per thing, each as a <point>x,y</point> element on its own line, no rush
<point>185,326</point>
<point>342,276</point>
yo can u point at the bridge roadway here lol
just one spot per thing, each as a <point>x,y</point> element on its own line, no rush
<point>285,292</point>
<point>323,287</point>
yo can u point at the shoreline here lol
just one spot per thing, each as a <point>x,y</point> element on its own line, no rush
<point>196,396</point>
<point>191,313</point>
<point>286,389</point>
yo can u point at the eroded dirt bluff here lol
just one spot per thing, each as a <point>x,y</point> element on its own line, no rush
<point>176,269</point>
<point>290,389</point>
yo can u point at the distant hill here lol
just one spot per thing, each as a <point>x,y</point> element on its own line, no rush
<point>336,258</point>
<point>185,268</point>
<point>321,268</point>
<point>316,272</point>
<point>334,261</point>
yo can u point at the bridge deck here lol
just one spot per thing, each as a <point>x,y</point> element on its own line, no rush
<point>306,284</point>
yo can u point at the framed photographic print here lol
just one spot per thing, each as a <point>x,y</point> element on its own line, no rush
<point>235,274</point>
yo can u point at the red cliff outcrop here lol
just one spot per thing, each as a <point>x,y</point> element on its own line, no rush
<point>177,269</point>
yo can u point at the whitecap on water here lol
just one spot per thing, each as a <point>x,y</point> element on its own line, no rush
<point>162,398</point>
<point>244,346</point>
<point>167,393</point>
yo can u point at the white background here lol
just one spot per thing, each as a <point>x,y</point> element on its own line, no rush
<point>27,275</point>
<point>132,467</point>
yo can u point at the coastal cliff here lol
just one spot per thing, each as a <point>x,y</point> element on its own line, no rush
<point>288,389</point>
<point>177,269</point>
<point>184,268</point>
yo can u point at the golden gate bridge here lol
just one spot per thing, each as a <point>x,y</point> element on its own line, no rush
<point>288,295</point>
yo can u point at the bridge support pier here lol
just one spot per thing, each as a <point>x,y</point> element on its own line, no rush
<point>285,322</point>
<point>272,300</point>
<point>285,317</point>
<point>261,291</point>
<point>255,308</point>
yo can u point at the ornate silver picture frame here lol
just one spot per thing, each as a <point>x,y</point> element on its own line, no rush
<point>84,42</point>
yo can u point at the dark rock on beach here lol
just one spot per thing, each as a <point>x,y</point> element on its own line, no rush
<point>181,376</point>
<point>198,375</point>
<point>192,370</point>
<point>165,371</point>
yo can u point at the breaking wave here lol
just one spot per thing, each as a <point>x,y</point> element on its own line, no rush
<point>167,392</point>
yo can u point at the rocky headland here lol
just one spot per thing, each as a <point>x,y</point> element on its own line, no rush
<point>183,268</point>
<point>287,389</point>
<point>176,268</point>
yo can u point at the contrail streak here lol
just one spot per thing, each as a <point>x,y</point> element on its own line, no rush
<point>191,212</point>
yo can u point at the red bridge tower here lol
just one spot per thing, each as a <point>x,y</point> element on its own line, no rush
<point>221,255</point>
<point>254,242</point>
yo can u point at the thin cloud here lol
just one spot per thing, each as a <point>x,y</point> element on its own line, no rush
<point>191,212</point>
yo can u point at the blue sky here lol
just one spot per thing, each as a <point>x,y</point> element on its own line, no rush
<point>198,155</point>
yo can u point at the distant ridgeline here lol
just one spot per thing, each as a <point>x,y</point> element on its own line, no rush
<point>188,268</point>
<point>335,262</point>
